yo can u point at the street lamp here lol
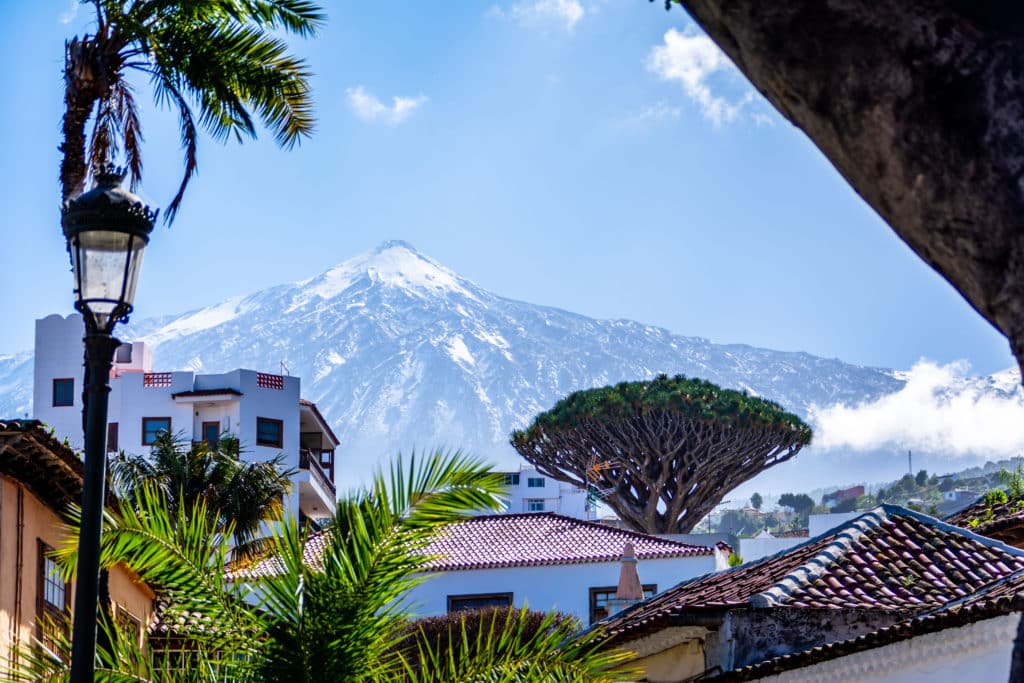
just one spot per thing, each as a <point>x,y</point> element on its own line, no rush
<point>107,230</point>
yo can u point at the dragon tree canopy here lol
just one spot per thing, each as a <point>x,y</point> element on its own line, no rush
<point>661,453</point>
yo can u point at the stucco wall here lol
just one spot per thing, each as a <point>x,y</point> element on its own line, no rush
<point>677,663</point>
<point>24,521</point>
<point>978,652</point>
<point>130,401</point>
<point>562,587</point>
<point>58,354</point>
<point>754,635</point>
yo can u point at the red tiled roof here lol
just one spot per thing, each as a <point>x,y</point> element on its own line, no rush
<point>1003,521</point>
<point>888,559</point>
<point>30,454</point>
<point>528,539</point>
<point>518,540</point>
<point>1003,597</point>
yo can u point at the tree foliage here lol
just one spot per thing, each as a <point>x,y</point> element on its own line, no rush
<point>801,503</point>
<point>235,493</point>
<point>220,65</point>
<point>756,501</point>
<point>661,453</point>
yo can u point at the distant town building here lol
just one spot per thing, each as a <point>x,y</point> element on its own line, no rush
<point>264,411</point>
<point>961,496</point>
<point>836,497</point>
<point>530,491</point>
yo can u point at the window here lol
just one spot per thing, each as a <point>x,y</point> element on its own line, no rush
<point>128,625</point>
<point>123,353</point>
<point>63,392</point>
<point>599,598</point>
<point>152,426</point>
<point>112,437</point>
<point>458,603</point>
<point>51,599</point>
<point>211,433</point>
<point>535,482</point>
<point>534,504</point>
<point>511,479</point>
<point>268,432</point>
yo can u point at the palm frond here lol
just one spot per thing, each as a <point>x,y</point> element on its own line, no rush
<point>506,646</point>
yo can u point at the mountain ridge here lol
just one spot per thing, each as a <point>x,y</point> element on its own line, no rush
<point>399,350</point>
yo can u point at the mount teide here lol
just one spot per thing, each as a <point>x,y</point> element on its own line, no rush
<point>401,352</point>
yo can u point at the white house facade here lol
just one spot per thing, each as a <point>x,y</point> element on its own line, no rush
<point>581,589</point>
<point>542,560</point>
<point>264,411</point>
<point>530,491</point>
<point>979,651</point>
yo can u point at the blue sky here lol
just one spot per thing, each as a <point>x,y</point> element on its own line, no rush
<point>595,155</point>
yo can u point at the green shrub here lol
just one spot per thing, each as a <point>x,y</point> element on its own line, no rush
<point>994,497</point>
<point>437,633</point>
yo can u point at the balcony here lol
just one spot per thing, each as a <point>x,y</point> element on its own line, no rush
<point>310,461</point>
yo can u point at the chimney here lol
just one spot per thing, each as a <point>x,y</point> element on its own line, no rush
<point>629,591</point>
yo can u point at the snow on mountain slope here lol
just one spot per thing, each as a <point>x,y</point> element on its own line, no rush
<point>399,351</point>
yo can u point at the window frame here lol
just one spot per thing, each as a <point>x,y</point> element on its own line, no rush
<point>145,429</point>
<point>508,598</point>
<point>510,478</point>
<point>280,432</point>
<point>112,437</point>
<point>650,590</point>
<point>528,502</point>
<point>210,443</point>
<point>62,381</point>
<point>124,619</point>
<point>531,482</point>
<point>57,614</point>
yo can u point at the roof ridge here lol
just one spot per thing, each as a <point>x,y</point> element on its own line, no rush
<point>814,568</point>
<point>588,523</point>
<point>954,529</point>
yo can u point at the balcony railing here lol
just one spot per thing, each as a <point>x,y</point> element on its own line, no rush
<point>157,379</point>
<point>310,460</point>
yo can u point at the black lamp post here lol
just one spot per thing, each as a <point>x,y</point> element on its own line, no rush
<point>107,229</point>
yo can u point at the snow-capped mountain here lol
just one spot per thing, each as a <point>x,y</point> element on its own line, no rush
<point>399,351</point>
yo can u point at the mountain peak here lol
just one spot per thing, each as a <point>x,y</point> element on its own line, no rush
<point>394,264</point>
<point>394,244</point>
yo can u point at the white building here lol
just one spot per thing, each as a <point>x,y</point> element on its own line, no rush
<point>263,410</point>
<point>530,491</point>
<point>541,560</point>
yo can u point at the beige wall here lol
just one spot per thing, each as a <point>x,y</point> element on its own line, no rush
<point>677,663</point>
<point>24,521</point>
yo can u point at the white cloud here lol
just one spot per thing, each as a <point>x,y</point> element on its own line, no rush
<point>691,60</point>
<point>565,13</point>
<point>68,15</point>
<point>369,108</point>
<point>939,410</point>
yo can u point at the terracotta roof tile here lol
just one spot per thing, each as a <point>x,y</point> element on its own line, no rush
<point>866,563</point>
<point>1004,521</point>
<point>519,540</point>
<point>1002,597</point>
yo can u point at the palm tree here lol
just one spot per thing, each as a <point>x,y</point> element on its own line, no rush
<point>340,620</point>
<point>218,63</point>
<point>234,493</point>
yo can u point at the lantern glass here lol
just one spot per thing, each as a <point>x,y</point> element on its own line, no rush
<point>106,265</point>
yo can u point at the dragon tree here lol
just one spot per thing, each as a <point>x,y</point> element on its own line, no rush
<point>661,453</point>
